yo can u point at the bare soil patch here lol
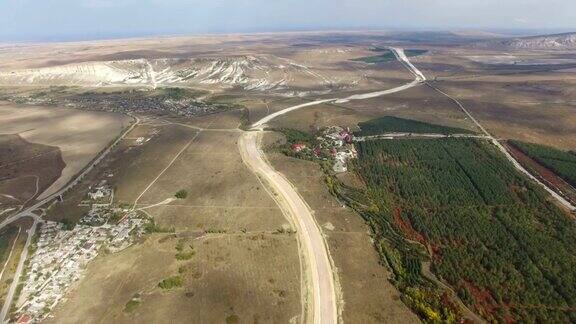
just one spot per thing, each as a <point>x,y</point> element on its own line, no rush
<point>26,170</point>
<point>79,135</point>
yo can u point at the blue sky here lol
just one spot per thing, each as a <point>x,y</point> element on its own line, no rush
<point>87,19</point>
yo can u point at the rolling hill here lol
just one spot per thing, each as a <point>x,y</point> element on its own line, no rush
<point>542,42</point>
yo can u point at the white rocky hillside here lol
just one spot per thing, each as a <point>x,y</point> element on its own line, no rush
<point>256,73</point>
<point>565,41</point>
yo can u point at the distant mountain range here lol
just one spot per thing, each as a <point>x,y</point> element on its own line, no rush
<point>543,42</point>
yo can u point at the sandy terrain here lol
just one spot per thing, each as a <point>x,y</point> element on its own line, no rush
<point>79,135</point>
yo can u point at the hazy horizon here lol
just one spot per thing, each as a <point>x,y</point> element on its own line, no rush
<point>61,20</point>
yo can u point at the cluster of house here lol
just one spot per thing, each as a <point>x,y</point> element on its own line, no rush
<point>99,199</point>
<point>141,104</point>
<point>126,102</point>
<point>102,194</point>
<point>97,215</point>
<point>123,234</point>
<point>338,135</point>
<point>141,140</point>
<point>342,148</point>
<point>61,256</point>
<point>335,142</point>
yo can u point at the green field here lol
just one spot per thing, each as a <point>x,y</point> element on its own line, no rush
<point>414,52</point>
<point>493,236</point>
<point>560,162</point>
<point>387,55</point>
<point>390,124</point>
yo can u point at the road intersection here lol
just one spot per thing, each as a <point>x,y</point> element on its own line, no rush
<point>29,212</point>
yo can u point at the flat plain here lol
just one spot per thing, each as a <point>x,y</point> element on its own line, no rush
<point>78,135</point>
<point>224,251</point>
<point>244,252</point>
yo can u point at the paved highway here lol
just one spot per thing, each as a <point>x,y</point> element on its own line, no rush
<point>320,276</point>
<point>419,79</point>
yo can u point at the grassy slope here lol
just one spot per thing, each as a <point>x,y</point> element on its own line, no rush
<point>6,237</point>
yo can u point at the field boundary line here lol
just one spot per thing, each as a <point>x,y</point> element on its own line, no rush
<point>166,168</point>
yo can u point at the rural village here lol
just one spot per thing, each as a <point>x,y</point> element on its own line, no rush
<point>61,253</point>
<point>333,142</point>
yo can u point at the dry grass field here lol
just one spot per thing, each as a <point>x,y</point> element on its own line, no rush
<point>533,103</point>
<point>222,192</point>
<point>129,168</point>
<point>523,115</point>
<point>419,103</point>
<point>245,264</point>
<point>26,170</point>
<point>79,135</point>
<point>252,277</point>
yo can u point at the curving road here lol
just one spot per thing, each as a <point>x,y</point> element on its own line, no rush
<point>419,79</point>
<point>319,273</point>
